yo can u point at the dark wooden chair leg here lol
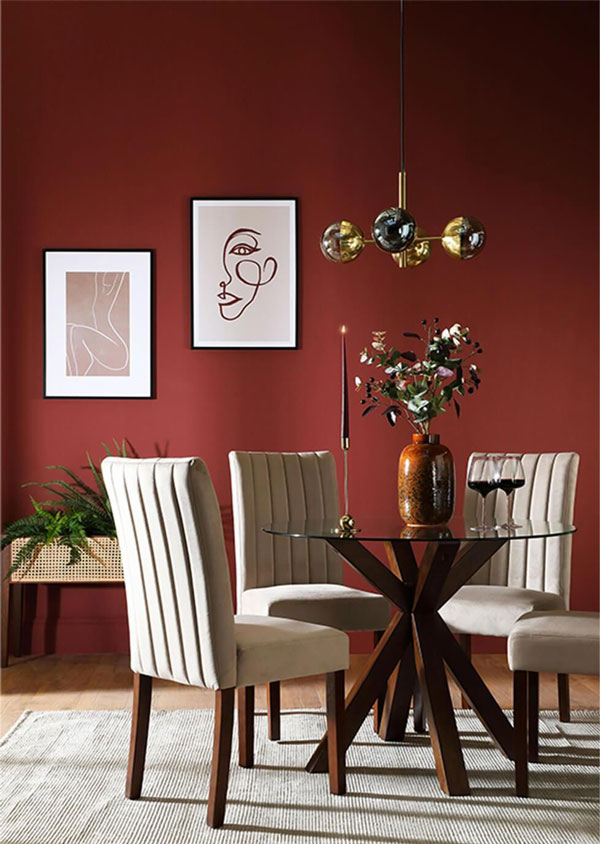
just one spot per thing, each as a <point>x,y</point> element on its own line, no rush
<point>464,640</point>
<point>520,682</point>
<point>378,705</point>
<point>564,706</point>
<point>274,710</point>
<point>336,748</point>
<point>246,726</point>
<point>140,719</point>
<point>419,717</point>
<point>219,774</point>
<point>533,706</point>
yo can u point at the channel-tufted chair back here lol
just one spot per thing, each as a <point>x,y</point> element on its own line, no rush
<point>280,487</point>
<point>175,568</point>
<point>548,495</point>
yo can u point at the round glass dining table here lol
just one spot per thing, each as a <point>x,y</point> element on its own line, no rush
<point>412,655</point>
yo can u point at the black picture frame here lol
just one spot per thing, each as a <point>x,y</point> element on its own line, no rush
<point>291,341</point>
<point>141,384</point>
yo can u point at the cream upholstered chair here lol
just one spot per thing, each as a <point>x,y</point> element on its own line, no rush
<point>293,578</point>
<point>181,622</point>
<point>559,642</point>
<point>524,576</point>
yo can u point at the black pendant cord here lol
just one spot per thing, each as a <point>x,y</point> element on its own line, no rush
<point>402,156</point>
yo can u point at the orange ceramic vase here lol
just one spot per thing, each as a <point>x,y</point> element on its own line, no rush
<point>426,482</point>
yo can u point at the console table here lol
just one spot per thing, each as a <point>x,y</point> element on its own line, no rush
<point>51,566</point>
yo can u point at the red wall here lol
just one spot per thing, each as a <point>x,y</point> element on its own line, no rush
<point>116,113</point>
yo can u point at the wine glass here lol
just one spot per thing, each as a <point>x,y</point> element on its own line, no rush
<point>484,476</point>
<point>512,477</point>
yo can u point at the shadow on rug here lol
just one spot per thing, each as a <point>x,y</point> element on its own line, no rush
<point>63,777</point>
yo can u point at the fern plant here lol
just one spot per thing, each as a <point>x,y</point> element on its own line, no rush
<point>77,511</point>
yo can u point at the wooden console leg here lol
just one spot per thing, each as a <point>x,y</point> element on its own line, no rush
<point>140,719</point>
<point>16,612</point>
<point>7,611</point>
<point>219,774</point>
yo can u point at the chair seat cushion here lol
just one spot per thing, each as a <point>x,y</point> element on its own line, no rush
<point>271,649</point>
<point>320,603</point>
<point>493,610</point>
<point>564,642</point>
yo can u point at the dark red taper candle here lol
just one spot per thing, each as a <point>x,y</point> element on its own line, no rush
<point>345,430</point>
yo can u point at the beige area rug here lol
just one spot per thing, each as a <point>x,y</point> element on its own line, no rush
<point>63,775</point>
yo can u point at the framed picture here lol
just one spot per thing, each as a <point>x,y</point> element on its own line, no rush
<point>244,273</point>
<point>98,323</point>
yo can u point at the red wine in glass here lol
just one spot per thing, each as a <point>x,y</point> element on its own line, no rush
<point>483,477</point>
<point>485,487</point>
<point>512,477</point>
<point>509,485</point>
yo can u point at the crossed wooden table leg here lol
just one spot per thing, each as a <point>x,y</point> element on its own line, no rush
<point>417,645</point>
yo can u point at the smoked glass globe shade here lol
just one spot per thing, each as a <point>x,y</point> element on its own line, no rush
<point>394,230</point>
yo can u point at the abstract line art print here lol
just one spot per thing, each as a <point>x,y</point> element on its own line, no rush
<point>98,315</point>
<point>244,273</point>
<point>97,322</point>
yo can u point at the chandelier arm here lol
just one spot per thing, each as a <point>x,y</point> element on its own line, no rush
<point>402,121</point>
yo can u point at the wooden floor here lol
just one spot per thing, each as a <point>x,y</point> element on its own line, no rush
<point>103,681</point>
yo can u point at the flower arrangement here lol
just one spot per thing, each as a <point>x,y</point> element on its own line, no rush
<point>420,388</point>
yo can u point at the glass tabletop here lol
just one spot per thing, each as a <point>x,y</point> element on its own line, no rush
<point>382,530</point>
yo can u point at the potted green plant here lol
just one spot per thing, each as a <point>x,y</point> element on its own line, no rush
<point>419,388</point>
<point>75,524</point>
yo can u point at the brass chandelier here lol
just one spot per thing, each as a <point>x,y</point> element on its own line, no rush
<point>395,230</point>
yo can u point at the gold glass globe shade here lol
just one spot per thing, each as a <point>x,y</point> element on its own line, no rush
<point>342,242</point>
<point>418,252</point>
<point>464,237</point>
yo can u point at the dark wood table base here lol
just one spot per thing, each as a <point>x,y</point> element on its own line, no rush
<point>416,648</point>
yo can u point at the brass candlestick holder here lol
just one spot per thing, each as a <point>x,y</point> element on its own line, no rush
<point>347,522</point>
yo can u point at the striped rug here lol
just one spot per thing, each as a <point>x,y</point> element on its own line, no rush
<point>62,779</point>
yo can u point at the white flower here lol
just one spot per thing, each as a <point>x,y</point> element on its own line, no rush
<point>357,382</point>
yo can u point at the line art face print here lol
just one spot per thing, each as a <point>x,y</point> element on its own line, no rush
<point>246,272</point>
<point>97,323</point>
